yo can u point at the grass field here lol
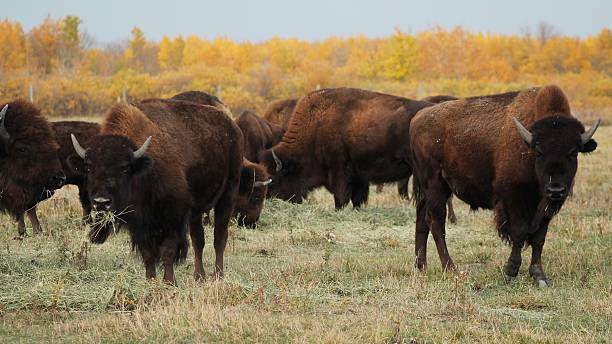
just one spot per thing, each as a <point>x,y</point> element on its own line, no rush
<point>314,275</point>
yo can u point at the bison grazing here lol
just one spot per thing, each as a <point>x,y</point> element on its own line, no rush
<point>258,133</point>
<point>279,112</point>
<point>62,130</point>
<point>254,181</point>
<point>156,167</point>
<point>29,168</point>
<point>515,153</point>
<point>342,139</point>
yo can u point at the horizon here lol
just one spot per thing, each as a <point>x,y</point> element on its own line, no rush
<point>274,18</point>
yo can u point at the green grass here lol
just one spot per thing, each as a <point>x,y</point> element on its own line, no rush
<point>312,274</point>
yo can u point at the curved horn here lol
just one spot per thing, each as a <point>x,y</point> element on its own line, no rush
<point>142,150</point>
<point>279,163</point>
<point>77,147</point>
<point>525,134</point>
<point>589,133</point>
<point>4,135</point>
<point>259,184</point>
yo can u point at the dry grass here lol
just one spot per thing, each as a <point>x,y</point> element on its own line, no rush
<point>311,274</point>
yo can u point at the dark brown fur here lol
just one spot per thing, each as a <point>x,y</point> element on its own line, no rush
<point>251,197</point>
<point>29,167</point>
<point>259,134</point>
<point>343,139</point>
<point>84,131</point>
<point>279,112</point>
<point>472,149</point>
<point>192,166</point>
<point>203,98</point>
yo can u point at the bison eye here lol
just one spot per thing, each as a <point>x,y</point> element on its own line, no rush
<point>125,169</point>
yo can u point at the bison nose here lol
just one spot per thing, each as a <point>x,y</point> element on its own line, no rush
<point>101,203</point>
<point>57,181</point>
<point>555,191</point>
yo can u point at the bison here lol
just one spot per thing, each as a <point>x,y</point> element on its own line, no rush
<point>515,153</point>
<point>62,130</point>
<point>254,179</point>
<point>203,98</point>
<point>30,170</point>
<point>402,185</point>
<point>156,167</point>
<point>259,134</point>
<point>342,139</point>
<point>279,112</point>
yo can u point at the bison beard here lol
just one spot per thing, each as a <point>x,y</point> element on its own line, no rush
<point>29,168</point>
<point>192,166</point>
<point>478,149</point>
<point>342,139</point>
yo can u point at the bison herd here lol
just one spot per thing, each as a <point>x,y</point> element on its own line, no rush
<point>157,167</point>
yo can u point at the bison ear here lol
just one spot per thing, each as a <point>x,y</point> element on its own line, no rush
<point>76,164</point>
<point>589,146</point>
<point>141,165</point>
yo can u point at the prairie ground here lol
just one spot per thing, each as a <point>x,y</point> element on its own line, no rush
<point>315,275</point>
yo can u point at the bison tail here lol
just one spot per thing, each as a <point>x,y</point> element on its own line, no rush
<point>417,191</point>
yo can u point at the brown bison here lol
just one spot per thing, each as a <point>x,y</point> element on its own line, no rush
<point>254,181</point>
<point>156,167</point>
<point>29,168</point>
<point>203,98</point>
<point>342,139</point>
<point>402,185</point>
<point>515,153</point>
<point>62,130</point>
<point>279,112</point>
<point>259,134</point>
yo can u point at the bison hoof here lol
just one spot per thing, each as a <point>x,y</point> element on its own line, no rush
<point>509,278</point>
<point>19,237</point>
<point>199,277</point>
<point>542,283</point>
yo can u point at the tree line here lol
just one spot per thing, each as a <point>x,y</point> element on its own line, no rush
<point>70,75</point>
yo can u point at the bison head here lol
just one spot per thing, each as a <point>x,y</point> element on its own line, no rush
<point>30,170</point>
<point>288,182</point>
<point>110,163</point>
<point>556,142</point>
<point>252,192</point>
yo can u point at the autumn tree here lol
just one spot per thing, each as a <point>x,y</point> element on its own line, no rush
<point>70,40</point>
<point>134,52</point>
<point>43,46</point>
<point>12,46</point>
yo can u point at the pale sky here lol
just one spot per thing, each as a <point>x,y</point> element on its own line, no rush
<point>252,20</point>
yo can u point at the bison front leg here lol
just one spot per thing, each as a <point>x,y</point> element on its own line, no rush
<point>149,260</point>
<point>537,244</point>
<point>21,228</point>
<point>36,229</point>
<point>168,252</point>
